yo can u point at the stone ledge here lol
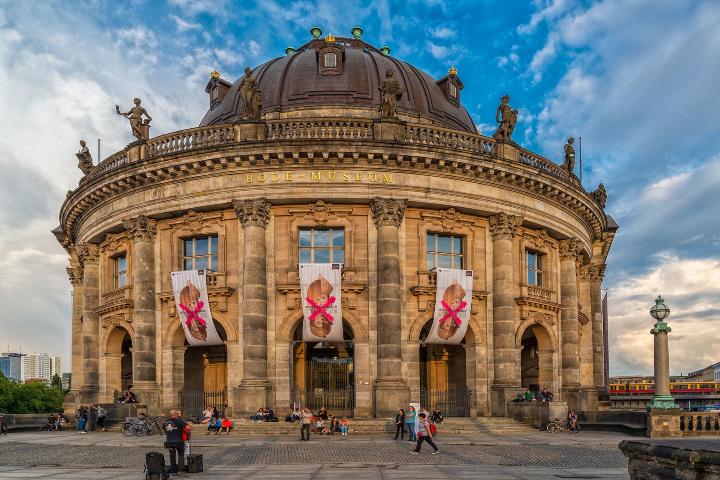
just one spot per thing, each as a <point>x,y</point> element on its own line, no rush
<point>691,459</point>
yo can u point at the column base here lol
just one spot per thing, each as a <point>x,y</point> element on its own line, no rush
<point>571,395</point>
<point>588,399</point>
<point>390,395</point>
<point>148,394</point>
<point>249,396</point>
<point>500,395</point>
<point>662,402</point>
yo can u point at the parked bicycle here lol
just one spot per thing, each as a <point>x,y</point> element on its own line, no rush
<point>140,427</point>
<point>556,426</point>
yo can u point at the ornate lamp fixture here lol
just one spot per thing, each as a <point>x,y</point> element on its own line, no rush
<point>662,400</point>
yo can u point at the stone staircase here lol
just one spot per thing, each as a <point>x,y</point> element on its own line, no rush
<point>372,426</point>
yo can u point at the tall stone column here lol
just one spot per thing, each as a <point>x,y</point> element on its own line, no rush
<point>255,388</point>
<point>143,230</point>
<point>391,391</point>
<point>75,273</point>
<point>596,274</point>
<point>88,255</point>
<point>506,380</point>
<point>588,392</point>
<point>569,322</point>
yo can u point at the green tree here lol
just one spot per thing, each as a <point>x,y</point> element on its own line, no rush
<point>34,397</point>
<point>56,382</point>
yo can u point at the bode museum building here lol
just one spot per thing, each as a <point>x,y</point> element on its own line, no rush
<point>336,153</point>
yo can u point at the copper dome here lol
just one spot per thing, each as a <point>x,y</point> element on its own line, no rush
<point>295,83</point>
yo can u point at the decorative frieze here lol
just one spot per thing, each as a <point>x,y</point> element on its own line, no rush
<point>593,272</point>
<point>538,239</point>
<point>113,243</point>
<point>87,253</point>
<point>75,275</point>
<point>252,212</point>
<point>504,226</point>
<point>141,228</point>
<point>388,211</point>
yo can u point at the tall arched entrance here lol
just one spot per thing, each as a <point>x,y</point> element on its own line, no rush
<point>118,361</point>
<point>323,373</point>
<point>443,376</point>
<point>205,375</point>
<point>536,358</point>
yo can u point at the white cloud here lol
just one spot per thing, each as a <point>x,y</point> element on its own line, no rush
<point>550,10</point>
<point>443,33</point>
<point>183,25</point>
<point>544,56</point>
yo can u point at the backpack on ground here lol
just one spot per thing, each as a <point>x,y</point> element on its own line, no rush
<point>155,466</point>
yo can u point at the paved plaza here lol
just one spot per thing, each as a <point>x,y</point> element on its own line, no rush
<point>534,455</point>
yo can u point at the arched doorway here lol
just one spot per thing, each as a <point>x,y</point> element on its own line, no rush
<point>324,374</point>
<point>118,361</point>
<point>443,376</point>
<point>536,358</point>
<point>205,375</point>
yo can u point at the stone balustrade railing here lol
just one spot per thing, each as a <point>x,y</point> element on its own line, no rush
<point>119,295</point>
<point>679,423</point>
<point>443,137</point>
<point>538,293</point>
<point>215,280</point>
<point>191,139</point>
<point>320,129</point>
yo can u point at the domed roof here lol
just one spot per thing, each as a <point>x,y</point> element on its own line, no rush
<point>298,81</point>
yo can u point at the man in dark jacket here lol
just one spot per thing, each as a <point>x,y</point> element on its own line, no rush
<point>173,427</point>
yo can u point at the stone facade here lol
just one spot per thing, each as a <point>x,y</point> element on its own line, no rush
<point>386,184</point>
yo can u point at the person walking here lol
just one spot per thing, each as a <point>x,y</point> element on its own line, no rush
<point>174,427</point>
<point>101,415</point>
<point>410,424</point>
<point>3,426</point>
<point>400,424</point>
<point>424,434</point>
<point>81,417</point>
<point>305,424</point>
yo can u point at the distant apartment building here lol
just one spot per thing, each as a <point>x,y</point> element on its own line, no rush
<point>40,366</point>
<point>65,381</point>
<point>11,365</point>
<point>711,373</point>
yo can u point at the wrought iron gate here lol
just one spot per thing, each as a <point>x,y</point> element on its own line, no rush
<point>329,383</point>
<point>193,402</point>
<point>452,402</point>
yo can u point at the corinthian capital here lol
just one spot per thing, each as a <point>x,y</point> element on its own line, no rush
<point>75,274</point>
<point>388,211</point>
<point>502,225</point>
<point>252,212</point>
<point>141,228</point>
<point>592,273</point>
<point>87,252</point>
<point>569,248</point>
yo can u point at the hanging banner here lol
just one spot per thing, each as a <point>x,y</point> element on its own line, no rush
<point>193,307</point>
<point>452,306</point>
<point>320,285</point>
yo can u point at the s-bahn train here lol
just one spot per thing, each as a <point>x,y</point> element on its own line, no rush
<point>676,388</point>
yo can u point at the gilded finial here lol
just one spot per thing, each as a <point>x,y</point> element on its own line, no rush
<point>215,74</point>
<point>330,38</point>
<point>452,71</point>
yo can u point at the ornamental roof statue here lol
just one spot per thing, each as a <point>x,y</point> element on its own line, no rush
<point>506,117</point>
<point>140,128</point>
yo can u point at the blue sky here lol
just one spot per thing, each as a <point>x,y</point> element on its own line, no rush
<point>636,79</point>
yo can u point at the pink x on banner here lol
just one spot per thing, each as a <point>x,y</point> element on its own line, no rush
<point>194,314</point>
<point>449,312</point>
<point>320,309</point>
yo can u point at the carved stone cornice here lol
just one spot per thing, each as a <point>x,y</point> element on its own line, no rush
<point>87,253</point>
<point>141,228</point>
<point>388,211</point>
<point>503,226</point>
<point>592,273</point>
<point>252,212</point>
<point>113,243</point>
<point>75,274</point>
<point>538,239</point>
<point>569,248</point>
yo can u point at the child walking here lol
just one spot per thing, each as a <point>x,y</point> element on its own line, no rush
<point>424,434</point>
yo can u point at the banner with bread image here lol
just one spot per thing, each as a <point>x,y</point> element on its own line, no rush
<point>193,307</point>
<point>320,290</point>
<point>452,306</point>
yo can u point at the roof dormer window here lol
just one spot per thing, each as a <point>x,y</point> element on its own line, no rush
<point>453,90</point>
<point>330,60</point>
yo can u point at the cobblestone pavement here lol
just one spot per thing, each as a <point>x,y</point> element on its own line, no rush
<point>100,456</point>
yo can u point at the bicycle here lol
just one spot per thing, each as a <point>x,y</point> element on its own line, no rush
<point>556,426</point>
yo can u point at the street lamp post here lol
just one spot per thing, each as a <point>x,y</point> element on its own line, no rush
<point>662,399</point>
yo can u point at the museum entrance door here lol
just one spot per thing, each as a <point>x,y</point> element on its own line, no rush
<point>443,378</point>
<point>323,373</point>
<point>205,377</point>
<point>536,359</point>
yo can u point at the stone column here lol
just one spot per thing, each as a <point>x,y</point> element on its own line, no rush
<point>596,274</point>
<point>662,400</point>
<point>255,388</point>
<point>88,255</point>
<point>569,321</point>
<point>506,379</point>
<point>390,387</point>
<point>75,273</point>
<point>142,230</point>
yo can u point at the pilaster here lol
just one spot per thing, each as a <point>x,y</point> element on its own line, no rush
<point>88,255</point>
<point>568,250</point>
